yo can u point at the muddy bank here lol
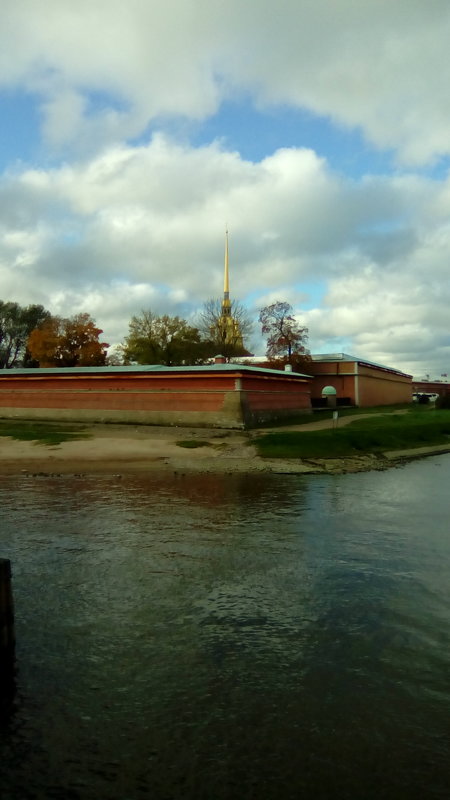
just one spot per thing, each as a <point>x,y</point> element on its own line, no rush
<point>116,449</point>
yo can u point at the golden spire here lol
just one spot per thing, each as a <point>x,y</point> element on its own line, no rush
<point>226,305</point>
<point>228,327</point>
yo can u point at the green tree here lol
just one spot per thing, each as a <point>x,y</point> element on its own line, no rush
<point>16,324</point>
<point>286,338</point>
<point>67,342</point>
<point>163,340</point>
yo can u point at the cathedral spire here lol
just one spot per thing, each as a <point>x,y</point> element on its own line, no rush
<point>229,329</point>
<point>226,305</point>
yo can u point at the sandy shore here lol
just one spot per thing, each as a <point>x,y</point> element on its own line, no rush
<point>117,449</point>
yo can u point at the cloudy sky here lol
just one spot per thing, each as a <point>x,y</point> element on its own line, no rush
<point>318,130</point>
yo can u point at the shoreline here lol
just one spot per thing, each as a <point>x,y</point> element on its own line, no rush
<point>117,450</point>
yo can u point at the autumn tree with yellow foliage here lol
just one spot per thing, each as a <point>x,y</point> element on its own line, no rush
<point>67,342</point>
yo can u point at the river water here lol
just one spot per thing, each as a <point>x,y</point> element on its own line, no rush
<point>246,637</point>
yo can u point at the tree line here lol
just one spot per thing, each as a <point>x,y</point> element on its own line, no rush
<point>32,337</point>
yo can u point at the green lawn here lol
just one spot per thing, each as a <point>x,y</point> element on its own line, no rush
<point>316,416</point>
<point>47,433</point>
<point>416,428</point>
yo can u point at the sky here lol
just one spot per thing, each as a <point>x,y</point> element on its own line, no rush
<point>133,133</point>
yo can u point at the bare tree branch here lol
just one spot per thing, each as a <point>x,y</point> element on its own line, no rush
<point>210,323</point>
<point>285,336</point>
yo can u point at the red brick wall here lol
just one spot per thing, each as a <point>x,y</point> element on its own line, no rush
<point>339,374</point>
<point>275,397</point>
<point>377,387</point>
<point>434,387</point>
<point>51,394</point>
<point>364,385</point>
<point>228,399</point>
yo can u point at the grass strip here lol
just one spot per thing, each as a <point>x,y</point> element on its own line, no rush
<point>373,435</point>
<point>322,414</point>
<point>45,433</point>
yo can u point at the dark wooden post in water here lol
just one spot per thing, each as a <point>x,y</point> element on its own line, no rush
<point>7,638</point>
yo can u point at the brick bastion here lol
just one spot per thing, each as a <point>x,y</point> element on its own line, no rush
<point>217,395</point>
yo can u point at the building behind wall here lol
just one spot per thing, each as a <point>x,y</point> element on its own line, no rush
<point>431,388</point>
<point>358,382</point>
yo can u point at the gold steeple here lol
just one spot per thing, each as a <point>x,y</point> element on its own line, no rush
<point>229,328</point>
<point>226,304</point>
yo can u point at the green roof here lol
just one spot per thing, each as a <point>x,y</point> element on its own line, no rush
<point>148,368</point>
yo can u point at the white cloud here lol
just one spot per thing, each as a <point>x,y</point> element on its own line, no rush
<point>143,227</point>
<point>395,316</point>
<point>377,65</point>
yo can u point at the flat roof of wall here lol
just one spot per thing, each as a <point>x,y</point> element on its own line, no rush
<point>334,357</point>
<point>436,382</point>
<point>149,369</point>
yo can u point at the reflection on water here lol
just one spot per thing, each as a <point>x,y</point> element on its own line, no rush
<point>214,637</point>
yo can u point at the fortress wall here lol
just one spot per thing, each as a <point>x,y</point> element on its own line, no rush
<point>180,398</point>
